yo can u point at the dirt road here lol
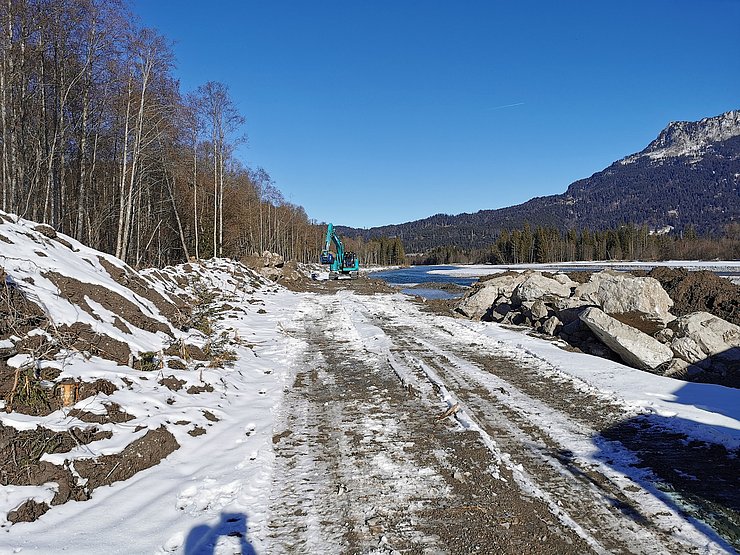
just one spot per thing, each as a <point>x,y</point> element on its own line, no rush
<point>411,432</point>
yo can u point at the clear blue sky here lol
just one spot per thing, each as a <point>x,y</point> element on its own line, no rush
<point>377,112</point>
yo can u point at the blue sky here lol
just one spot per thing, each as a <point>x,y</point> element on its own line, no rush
<point>376,112</point>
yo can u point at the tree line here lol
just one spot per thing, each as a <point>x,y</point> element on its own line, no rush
<point>627,242</point>
<point>381,251</point>
<point>98,140</point>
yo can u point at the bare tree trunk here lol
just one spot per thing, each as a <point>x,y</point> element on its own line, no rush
<point>3,114</point>
<point>170,190</point>
<point>136,152</point>
<point>215,196</point>
<point>82,182</point>
<point>196,224</point>
<point>124,166</point>
<point>6,92</point>
<point>221,202</point>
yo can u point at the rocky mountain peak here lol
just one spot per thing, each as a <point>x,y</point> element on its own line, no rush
<point>691,138</point>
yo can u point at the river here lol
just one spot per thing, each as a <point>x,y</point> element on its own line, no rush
<point>411,280</point>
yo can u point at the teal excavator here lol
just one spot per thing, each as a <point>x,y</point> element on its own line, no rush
<point>342,263</point>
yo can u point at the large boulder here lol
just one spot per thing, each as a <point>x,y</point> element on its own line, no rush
<point>476,302</point>
<point>701,335</point>
<point>565,280</point>
<point>479,300</point>
<point>687,350</point>
<point>639,302</point>
<point>537,286</point>
<point>587,293</point>
<point>538,310</point>
<point>634,347</point>
<point>551,325</point>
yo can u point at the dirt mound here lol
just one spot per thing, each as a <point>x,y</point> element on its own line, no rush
<point>700,291</point>
<point>84,341</point>
<point>363,285</point>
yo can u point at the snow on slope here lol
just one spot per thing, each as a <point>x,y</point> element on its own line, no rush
<point>214,392</point>
<point>30,256</point>
<point>690,138</point>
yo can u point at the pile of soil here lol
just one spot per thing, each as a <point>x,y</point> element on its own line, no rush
<point>700,291</point>
<point>361,285</point>
<point>442,286</point>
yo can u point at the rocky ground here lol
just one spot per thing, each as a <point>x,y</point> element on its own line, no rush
<point>670,322</point>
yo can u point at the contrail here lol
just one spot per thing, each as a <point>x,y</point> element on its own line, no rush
<point>506,106</point>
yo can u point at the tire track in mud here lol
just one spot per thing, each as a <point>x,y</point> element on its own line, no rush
<point>364,465</point>
<point>514,403</point>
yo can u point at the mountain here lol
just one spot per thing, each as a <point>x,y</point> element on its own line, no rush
<point>688,176</point>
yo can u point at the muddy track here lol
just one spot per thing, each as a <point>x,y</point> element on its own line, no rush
<point>396,440</point>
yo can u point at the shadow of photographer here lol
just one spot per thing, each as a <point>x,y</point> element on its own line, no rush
<point>202,539</point>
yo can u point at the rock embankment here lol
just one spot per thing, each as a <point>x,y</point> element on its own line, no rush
<point>621,316</point>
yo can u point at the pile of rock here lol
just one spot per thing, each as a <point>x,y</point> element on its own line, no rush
<point>613,313</point>
<point>274,267</point>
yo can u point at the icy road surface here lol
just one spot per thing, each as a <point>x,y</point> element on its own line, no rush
<point>411,432</point>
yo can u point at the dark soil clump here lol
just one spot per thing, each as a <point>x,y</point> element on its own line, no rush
<point>141,454</point>
<point>194,390</point>
<point>114,414</point>
<point>172,383</point>
<point>89,389</point>
<point>700,291</point>
<point>28,511</point>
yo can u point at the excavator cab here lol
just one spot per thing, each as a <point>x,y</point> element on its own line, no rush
<point>349,260</point>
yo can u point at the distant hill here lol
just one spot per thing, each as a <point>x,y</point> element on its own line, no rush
<point>689,175</point>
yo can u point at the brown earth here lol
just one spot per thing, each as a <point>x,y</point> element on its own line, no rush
<point>362,285</point>
<point>176,311</point>
<point>139,455</point>
<point>700,291</point>
<point>21,464</point>
<point>76,291</point>
<point>20,454</point>
<point>31,391</point>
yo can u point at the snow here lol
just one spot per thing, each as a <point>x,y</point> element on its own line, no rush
<point>230,469</point>
<point>683,138</point>
<point>609,458</point>
<point>226,470</point>
<point>706,412</point>
<point>479,270</point>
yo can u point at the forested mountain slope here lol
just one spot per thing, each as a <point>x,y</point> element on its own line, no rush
<point>688,176</point>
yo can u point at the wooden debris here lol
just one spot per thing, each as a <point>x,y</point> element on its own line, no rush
<point>450,411</point>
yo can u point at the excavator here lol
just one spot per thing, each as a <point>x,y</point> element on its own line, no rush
<point>342,263</point>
